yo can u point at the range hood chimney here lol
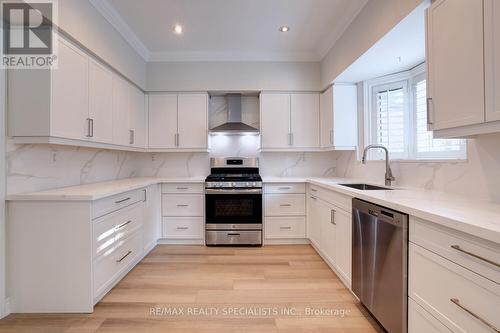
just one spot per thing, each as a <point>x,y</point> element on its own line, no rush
<point>234,125</point>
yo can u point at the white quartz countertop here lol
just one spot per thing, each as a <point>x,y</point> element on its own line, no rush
<point>99,190</point>
<point>475,217</point>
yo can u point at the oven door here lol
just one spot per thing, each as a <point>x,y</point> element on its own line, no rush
<point>233,209</point>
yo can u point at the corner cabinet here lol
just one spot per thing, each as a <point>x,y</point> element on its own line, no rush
<point>289,121</point>
<point>463,60</point>
<point>338,116</point>
<point>80,103</point>
<point>178,122</point>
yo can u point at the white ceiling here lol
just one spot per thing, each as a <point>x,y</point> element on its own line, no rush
<point>231,30</point>
<point>400,49</point>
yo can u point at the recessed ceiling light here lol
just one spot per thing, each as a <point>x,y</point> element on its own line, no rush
<point>178,29</point>
<point>284,28</point>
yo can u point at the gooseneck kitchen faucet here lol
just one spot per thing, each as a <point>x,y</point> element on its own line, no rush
<point>388,172</point>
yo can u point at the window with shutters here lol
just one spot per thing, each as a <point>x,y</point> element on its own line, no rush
<point>396,117</point>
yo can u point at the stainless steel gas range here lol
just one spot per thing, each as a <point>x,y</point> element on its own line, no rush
<point>233,202</point>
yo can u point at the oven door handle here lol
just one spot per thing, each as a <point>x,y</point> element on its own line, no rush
<point>233,191</point>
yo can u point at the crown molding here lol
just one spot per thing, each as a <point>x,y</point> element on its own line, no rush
<point>234,56</point>
<point>116,20</point>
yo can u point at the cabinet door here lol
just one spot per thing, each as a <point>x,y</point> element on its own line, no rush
<point>305,120</point>
<point>328,232</point>
<point>326,118</point>
<point>152,217</point>
<point>345,115</point>
<point>313,220</point>
<point>275,120</point>
<point>162,120</point>
<point>455,63</point>
<point>121,112</point>
<point>343,243</point>
<point>100,102</point>
<point>492,58</point>
<point>70,97</point>
<point>192,121</point>
<point>137,117</point>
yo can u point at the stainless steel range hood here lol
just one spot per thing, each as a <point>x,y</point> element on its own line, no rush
<point>234,125</point>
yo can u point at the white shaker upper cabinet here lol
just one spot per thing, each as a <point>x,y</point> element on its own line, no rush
<point>100,103</point>
<point>338,117</point>
<point>455,63</point>
<point>192,121</point>
<point>275,120</point>
<point>137,118</point>
<point>162,121</point>
<point>492,58</point>
<point>121,112</point>
<point>305,120</point>
<point>70,103</point>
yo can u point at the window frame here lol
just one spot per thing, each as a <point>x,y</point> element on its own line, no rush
<point>408,80</point>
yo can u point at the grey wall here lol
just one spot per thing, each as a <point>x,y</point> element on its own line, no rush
<point>376,19</point>
<point>175,76</point>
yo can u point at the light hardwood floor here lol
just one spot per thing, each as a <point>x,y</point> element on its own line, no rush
<point>261,290</point>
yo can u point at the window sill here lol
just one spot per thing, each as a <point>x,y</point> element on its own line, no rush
<point>444,160</point>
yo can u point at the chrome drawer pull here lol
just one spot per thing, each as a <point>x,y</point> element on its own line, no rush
<point>314,190</point>
<point>182,228</point>
<point>458,248</point>
<point>285,205</point>
<point>456,301</point>
<point>125,256</point>
<point>123,224</point>
<point>284,188</point>
<point>182,188</point>
<point>182,205</point>
<point>285,228</point>
<point>313,197</point>
<point>332,217</point>
<point>123,200</point>
<point>233,235</point>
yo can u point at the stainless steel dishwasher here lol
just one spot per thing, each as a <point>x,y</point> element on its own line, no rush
<point>380,263</point>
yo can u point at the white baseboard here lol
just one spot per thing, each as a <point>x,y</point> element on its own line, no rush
<point>286,241</point>
<point>181,241</point>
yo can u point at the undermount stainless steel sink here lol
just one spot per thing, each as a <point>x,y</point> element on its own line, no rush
<point>366,187</point>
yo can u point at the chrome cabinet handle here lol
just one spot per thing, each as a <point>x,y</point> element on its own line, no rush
<point>123,200</point>
<point>123,224</point>
<point>89,130</point>
<point>182,205</point>
<point>290,139</point>
<point>91,127</point>
<point>313,197</point>
<point>285,205</point>
<point>125,256</point>
<point>430,102</point>
<point>176,139</point>
<point>332,217</point>
<point>458,248</point>
<point>331,137</point>
<point>182,228</point>
<point>456,301</point>
<point>132,137</point>
<point>285,228</point>
<point>314,190</point>
<point>284,188</point>
<point>233,234</point>
<point>182,188</point>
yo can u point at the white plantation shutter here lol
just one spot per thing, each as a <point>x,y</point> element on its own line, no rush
<point>397,119</point>
<point>426,146</point>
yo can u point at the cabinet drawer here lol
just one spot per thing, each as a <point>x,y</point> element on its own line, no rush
<point>340,200</point>
<point>420,321</point>
<point>277,188</point>
<point>128,250</point>
<point>285,227</point>
<point>129,221</point>
<point>104,235</point>
<point>182,188</point>
<point>116,202</point>
<point>436,283</point>
<point>183,227</point>
<point>182,205</point>
<point>105,268</point>
<point>473,253</point>
<point>285,204</point>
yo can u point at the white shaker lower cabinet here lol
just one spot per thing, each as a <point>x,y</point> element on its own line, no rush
<point>329,228</point>
<point>454,278</point>
<point>284,213</point>
<point>78,249</point>
<point>183,212</point>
